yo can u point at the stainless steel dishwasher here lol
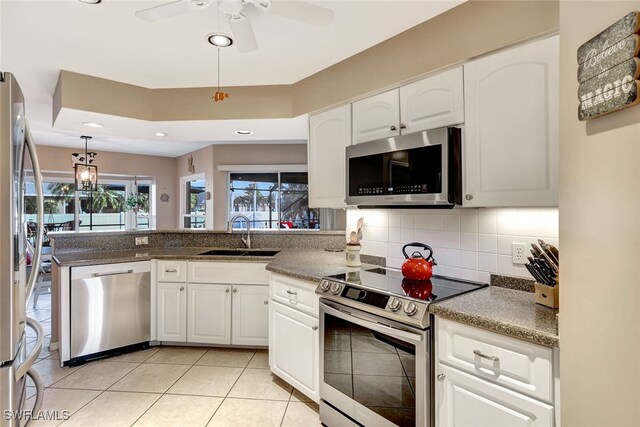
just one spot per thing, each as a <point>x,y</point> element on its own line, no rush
<point>110,310</point>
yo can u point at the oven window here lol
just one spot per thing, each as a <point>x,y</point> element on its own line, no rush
<point>374,369</point>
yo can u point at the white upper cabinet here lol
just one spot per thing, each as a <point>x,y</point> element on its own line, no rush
<point>429,103</point>
<point>433,102</point>
<point>511,127</point>
<point>377,117</point>
<point>329,135</point>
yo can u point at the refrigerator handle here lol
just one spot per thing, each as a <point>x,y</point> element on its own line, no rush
<point>37,380</point>
<point>31,359</point>
<point>37,175</point>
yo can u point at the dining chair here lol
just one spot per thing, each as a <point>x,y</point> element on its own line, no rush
<point>44,272</point>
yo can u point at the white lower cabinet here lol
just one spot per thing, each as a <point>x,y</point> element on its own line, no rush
<point>488,379</point>
<point>209,313</point>
<point>250,312</point>
<point>171,312</point>
<point>466,400</point>
<point>211,307</point>
<point>294,348</point>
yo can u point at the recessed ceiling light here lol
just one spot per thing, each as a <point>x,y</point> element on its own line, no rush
<point>91,1</point>
<point>243,132</point>
<point>93,125</point>
<point>219,39</point>
<point>161,134</point>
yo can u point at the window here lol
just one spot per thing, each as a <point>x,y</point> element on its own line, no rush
<point>103,209</point>
<point>194,202</point>
<point>272,200</point>
<point>144,190</point>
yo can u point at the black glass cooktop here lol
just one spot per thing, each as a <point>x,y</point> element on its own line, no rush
<point>390,280</point>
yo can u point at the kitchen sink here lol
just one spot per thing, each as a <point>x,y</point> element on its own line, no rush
<point>241,252</point>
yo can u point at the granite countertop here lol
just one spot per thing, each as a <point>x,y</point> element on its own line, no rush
<point>505,311</point>
<point>312,265</point>
<point>83,258</point>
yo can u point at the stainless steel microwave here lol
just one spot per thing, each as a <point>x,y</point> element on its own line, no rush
<point>422,169</point>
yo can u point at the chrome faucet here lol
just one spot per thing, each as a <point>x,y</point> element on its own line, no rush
<point>246,241</point>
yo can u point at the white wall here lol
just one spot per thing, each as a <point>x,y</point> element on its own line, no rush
<point>468,243</point>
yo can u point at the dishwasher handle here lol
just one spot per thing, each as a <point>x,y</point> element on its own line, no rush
<point>115,273</point>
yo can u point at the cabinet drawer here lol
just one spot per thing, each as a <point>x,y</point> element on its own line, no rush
<point>172,271</point>
<point>521,366</point>
<point>465,400</point>
<point>298,294</point>
<point>238,273</point>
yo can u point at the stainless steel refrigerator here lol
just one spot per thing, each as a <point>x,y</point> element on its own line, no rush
<point>18,160</point>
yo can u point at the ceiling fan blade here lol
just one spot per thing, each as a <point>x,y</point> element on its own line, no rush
<point>243,35</point>
<point>166,10</point>
<point>301,11</point>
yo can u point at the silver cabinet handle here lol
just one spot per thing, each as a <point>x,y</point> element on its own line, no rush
<point>393,128</point>
<point>266,302</point>
<point>403,126</point>
<point>115,273</point>
<point>314,328</point>
<point>441,377</point>
<point>226,291</point>
<point>290,292</point>
<point>170,270</point>
<point>235,290</point>
<point>182,288</point>
<point>469,197</point>
<point>484,356</point>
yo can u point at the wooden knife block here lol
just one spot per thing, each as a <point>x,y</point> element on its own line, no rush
<point>547,295</point>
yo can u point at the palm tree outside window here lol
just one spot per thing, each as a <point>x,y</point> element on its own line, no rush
<point>271,200</point>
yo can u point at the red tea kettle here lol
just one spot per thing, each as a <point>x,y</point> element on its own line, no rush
<point>416,266</point>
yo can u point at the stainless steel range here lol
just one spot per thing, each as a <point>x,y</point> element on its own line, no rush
<point>375,367</point>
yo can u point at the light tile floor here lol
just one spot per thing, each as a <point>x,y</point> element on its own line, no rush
<point>168,386</point>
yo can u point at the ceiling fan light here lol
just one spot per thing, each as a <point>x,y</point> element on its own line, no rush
<point>219,40</point>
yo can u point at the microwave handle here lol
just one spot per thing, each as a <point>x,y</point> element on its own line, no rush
<point>365,321</point>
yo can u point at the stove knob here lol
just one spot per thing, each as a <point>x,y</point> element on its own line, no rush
<point>410,308</point>
<point>325,286</point>
<point>395,304</point>
<point>335,288</point>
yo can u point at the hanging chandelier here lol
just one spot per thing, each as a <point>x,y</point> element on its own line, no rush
<point>86,173</point>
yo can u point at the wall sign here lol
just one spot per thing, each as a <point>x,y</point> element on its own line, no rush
<point>609,68</point>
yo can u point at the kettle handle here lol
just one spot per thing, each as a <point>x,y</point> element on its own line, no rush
<point>418,245</point>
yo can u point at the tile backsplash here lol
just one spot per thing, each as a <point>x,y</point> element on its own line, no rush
<point>467,243</point>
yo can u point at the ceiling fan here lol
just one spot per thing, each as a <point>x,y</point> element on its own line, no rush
<point>236,12</point>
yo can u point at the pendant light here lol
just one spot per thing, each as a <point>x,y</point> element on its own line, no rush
<point>86,174</point>
<point>219,40</point>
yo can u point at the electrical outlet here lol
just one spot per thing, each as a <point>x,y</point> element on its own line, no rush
<point>518,254</point>
<point>142,240</point>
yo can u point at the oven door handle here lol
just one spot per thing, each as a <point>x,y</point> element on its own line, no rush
<point>371,323</point>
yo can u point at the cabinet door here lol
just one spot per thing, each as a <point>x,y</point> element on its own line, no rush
<point>377,117</point>
<point>511,112</point>
<point>250,315</point>
<point>329,135</point>
<point>172,312</point>
<point>209,313</point>
<point>465,400</point>
<point>294,348</point>
<point>433,102</point>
